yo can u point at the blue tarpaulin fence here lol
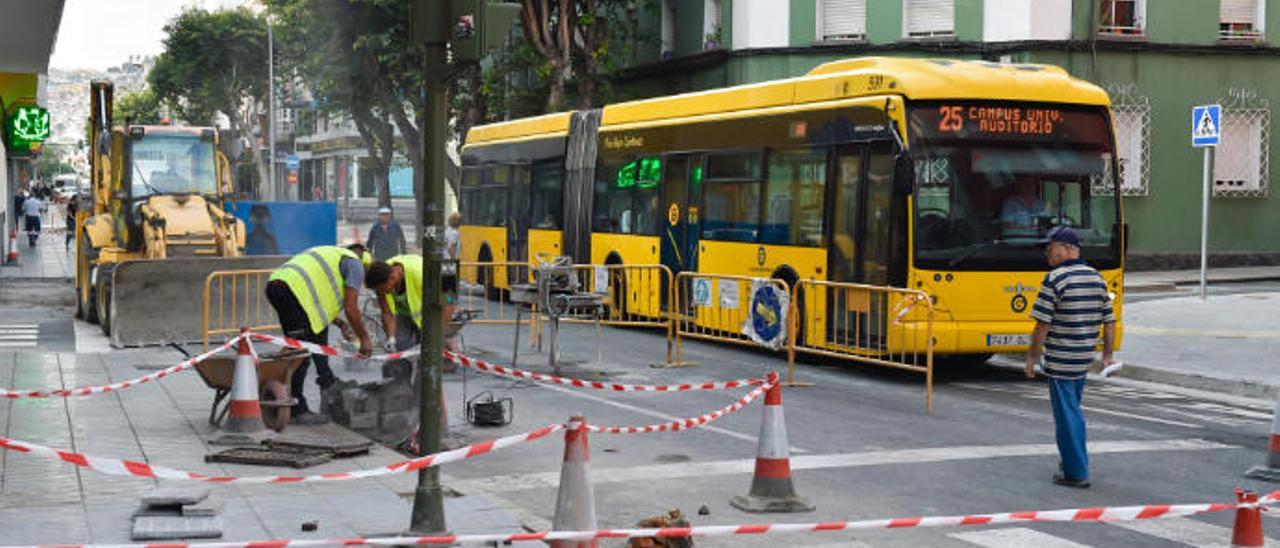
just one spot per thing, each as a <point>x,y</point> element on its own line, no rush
<point>286,228</point>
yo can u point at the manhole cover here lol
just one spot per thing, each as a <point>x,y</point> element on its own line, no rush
<point>270,457</point>
<point>339,449</point>
<point>670,459</point>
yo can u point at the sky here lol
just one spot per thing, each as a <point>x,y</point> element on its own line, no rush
<point>98,34</point>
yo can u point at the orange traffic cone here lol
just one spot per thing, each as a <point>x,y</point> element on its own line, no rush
<point>771,487</point>
<point>575,501</point>
<point>1248,528</point>
<point>1271,470</point>
<point>13,246</point>
<point>243,426</point>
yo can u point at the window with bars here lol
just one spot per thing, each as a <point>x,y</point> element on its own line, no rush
<point>929,18</point>
<point>842,19</point>
<point>1240,163</point>
<point>1133,137</point>
<point>1121,17</point>
<point>1240,19</point>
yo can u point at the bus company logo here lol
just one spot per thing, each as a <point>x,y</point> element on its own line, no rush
<point>1019,288</point>
<point>623,141</point>
<point>761,256</point>
<point>1018,303</point>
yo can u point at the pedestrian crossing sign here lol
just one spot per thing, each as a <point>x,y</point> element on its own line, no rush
<point>1206,125</point>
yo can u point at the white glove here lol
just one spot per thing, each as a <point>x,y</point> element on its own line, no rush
<point>390,345</point>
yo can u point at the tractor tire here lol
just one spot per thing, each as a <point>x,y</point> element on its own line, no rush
<point>102,292</point>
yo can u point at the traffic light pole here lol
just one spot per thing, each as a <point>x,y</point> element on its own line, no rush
<point>428,499</point>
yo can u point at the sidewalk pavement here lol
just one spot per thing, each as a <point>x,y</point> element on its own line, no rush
<point>1168,280</point>
<point>48,259</point>
<point>165,423</point>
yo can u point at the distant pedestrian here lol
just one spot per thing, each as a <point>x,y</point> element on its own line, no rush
<point>1073,306</point>
<point>453,238</point>
<point>18,199</point>
<point>31,208</point>
<point>386,238</point>
<point>72,208</point>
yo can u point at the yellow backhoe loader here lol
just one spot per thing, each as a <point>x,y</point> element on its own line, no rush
<point>155,230</point>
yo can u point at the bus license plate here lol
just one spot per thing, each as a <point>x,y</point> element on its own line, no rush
<point>1009,340</point>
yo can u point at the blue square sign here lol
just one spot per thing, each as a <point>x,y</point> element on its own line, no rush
<point>1206,125</point>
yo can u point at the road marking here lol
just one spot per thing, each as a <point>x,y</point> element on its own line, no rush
<point>20,326</point>
<point>1206,406</point>
<point>1198,332</point>
<point>17,344</point>
<point>1020,537</point>
<point>1138,417</point>
<point>517,482</point>
<point>19,337</point>
<point>1183,530</point>
<point>663,416</point>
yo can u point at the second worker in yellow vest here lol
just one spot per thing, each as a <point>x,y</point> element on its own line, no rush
<point>398,284</point>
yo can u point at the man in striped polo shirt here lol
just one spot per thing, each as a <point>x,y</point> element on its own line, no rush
<point>1073,306</point>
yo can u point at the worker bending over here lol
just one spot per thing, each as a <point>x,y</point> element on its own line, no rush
<point>398,284</point>
<point>308,293</point>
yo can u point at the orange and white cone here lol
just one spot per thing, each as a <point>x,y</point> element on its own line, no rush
<point>243,425</point>
<point>771,487</point>
<point>575,501</point>
<point>1248,527</point>
<point>13,246</point>
<point>1271,470</point>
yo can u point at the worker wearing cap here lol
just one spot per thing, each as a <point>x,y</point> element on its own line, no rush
<point>308,293</point>
<point>386,238</point>
<point>1072,308</point>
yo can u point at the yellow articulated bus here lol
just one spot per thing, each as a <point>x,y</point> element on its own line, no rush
<point>934,175</point>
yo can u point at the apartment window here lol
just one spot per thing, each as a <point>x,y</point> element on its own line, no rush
<point>929,18</point>
<point>1122,17</point>
<point>1240,163</point>
<point>842,19</point>
<point>1240,19</point>
<point>668,29</point>
<point>1131,117</point>
<point>711,30</point>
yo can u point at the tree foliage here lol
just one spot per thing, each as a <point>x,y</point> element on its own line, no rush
<point>215,62</point>
<point>139,108</point>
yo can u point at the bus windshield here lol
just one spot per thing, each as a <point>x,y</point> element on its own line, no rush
<point>173,164</point>
<point>991,180</point>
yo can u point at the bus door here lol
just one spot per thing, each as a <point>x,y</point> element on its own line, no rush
<point>860,202</point>
<point>679,233</point>
<point>518,221</point>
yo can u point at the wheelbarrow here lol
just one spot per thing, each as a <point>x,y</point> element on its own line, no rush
<point>274,372</point>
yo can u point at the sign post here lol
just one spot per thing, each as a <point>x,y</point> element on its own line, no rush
<point>1206,131</point>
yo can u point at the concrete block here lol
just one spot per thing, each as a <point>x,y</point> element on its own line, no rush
<point>176,496</point>
<point>177,527</point>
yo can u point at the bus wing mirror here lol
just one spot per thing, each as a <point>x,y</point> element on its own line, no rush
<point>904,174</point>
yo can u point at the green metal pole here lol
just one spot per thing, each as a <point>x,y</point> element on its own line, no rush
<point>428,500</point>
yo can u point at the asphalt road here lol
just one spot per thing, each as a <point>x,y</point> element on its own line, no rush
<point>864,447</point>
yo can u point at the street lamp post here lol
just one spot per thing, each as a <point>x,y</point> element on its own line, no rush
<point>271,109</point>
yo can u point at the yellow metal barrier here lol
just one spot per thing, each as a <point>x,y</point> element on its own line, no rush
<point>714,307</point>
<point>234,299</point>
<point>634,295</point>
<point>882,326</point>
<point>482,289</point>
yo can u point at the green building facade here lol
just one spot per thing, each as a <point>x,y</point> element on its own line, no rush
<point>1157,58</point>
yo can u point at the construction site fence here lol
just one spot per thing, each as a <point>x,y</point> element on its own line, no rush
<point>877,325</point>
<point>236,299</point>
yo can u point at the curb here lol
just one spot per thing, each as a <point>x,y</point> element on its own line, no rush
<point>1175,283</point>
<point>1230,386</point>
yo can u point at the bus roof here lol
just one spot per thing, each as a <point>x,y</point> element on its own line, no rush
<point>549,125</point>
<point>912,78</point>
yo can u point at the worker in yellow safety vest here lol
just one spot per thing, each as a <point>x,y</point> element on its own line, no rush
<point>398,283</point>
<point>308,293</point>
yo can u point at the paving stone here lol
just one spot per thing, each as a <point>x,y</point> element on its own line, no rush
<point>176,527</point>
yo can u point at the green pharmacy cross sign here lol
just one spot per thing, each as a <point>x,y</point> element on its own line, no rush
<point>27,125</point>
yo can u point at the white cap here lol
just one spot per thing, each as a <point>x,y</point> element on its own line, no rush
<point>382,210</point>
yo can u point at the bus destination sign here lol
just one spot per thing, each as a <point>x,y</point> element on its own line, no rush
<point>1002,122</point>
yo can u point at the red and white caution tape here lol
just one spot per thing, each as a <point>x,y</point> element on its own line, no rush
<point>91,390</point>
<point>289,342</point>
<point>685,424</point>
<point>117,467</point>
<point>1078,515</point>
<point>481,365</point>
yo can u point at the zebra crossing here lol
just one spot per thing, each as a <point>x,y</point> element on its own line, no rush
<point>19,335</point>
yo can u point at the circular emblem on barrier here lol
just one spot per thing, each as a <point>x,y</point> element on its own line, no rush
<point>673,214</point>
<point>767,324</point>
<point>760,256</point>
<point>1019,303</point>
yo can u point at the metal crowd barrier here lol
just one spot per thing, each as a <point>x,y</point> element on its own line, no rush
<point>715,312</point>
<point>234,299</point>
<point>882,326</point>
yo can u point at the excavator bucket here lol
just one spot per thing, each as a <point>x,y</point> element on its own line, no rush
<point>157,302</point>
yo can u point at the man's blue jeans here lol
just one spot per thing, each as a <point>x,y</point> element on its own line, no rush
<point>1068,421</point>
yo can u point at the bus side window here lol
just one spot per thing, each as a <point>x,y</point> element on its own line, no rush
<point>732,197</point>
<point>794,188</point>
